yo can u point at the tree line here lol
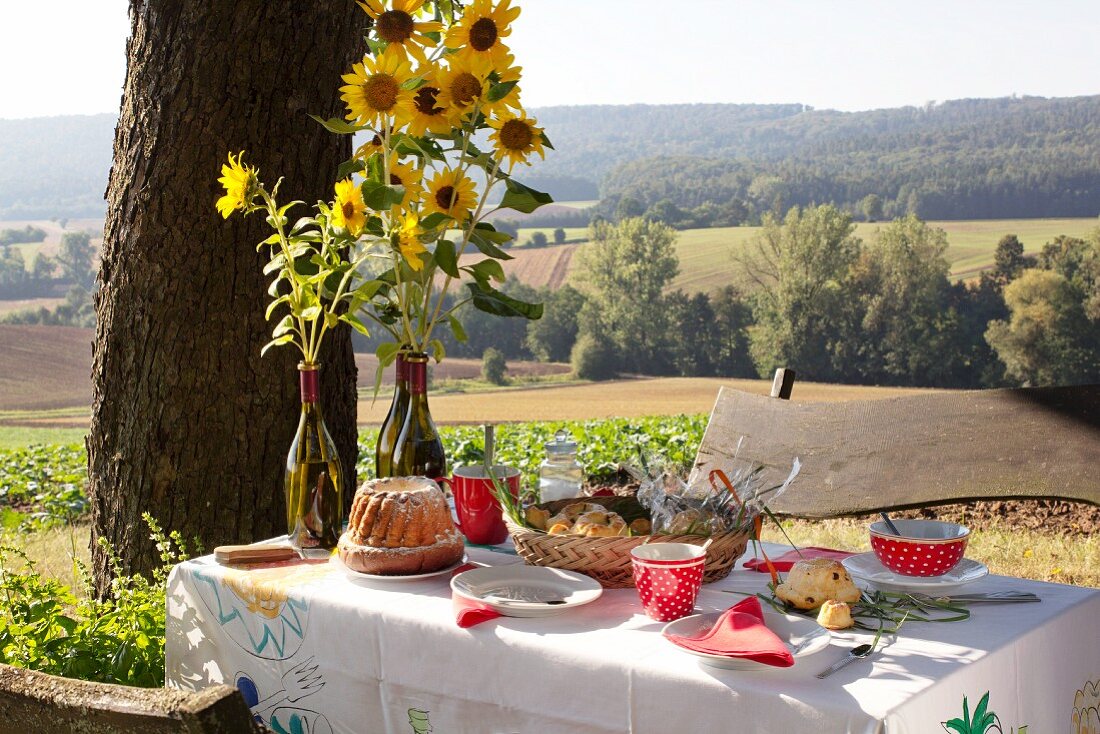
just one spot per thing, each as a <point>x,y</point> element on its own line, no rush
<point>70,273</point>
<point>817,298</point>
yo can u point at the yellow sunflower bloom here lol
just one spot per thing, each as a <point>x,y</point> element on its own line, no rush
<point>463,83</point>
<point>429,114</point>
<point>240,182</point>
<point>408,242</point>
<point>349,211</point>
<point>399,27</point>
<point>452,193</point>
<point>409,176</point>
<point>481,29</point>
<point>373,92</point>
<point>516,137</point>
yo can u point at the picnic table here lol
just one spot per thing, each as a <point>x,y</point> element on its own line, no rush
<point>314,651</point>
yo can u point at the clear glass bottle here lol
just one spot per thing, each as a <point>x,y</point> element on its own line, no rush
<point>418,451</point>
<point>395,420</point>
<point>560,475</point>
<point>314,480</point>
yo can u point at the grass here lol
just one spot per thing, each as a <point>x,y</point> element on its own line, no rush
<point>1007,551</point>
<point>14,437</point>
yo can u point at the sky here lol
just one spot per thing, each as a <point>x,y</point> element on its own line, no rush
<point>68,56</point>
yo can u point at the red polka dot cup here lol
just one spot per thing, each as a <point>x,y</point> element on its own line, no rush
<point>668,577</point>
<point>925,547</point>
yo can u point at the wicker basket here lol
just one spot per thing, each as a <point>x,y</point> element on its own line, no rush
<point>608,559</point>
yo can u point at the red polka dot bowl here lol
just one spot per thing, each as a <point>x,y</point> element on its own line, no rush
<point>925,547</point>
<point>668,577</point>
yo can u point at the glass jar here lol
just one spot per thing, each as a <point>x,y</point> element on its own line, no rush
<point>560,475</point>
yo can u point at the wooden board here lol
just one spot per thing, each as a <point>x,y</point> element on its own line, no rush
<point>867,455</point>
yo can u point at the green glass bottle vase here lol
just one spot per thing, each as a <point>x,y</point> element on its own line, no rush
<point>418,451</point>
<point>395,419</point>
<point>314,480</point>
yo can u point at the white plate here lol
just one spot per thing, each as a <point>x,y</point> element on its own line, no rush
<point>868,568</point>
<point>371,578</point>
<point>522,591</point>
<point>802,637</point>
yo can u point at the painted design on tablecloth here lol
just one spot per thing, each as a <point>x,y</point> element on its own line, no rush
<point>419,721</point>
<point>983,720</point>
<point>255,608</point>
<point>1086,709</point>
<point>279,710</point>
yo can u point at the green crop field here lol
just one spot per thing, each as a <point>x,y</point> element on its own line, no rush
<point>705,254</point>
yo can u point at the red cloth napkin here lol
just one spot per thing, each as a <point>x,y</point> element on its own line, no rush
<point>740,633</point>
<point>467,611</point>
<point>788,559</point>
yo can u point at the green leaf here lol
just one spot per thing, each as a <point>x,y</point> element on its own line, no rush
<point>311,313</point>
<point>273,305</point>
<point>457,329</point>
<point>381,197</point>
<point>438,352</point>
<point>285,326</point>
<point>486,247</point>
<point>341,127</point>
<point>276,263</point>
<point>348,167</point>
<point>278,341</point>
<point>446,258</point>
<point>486,270</point>
<point>957,726</point>
<point>545,140</point>
<point>492,301</point>
<point>489,232</point>
<point>386,353</point>
<point>433,220</point>
<point>500,90</point>
<point>353,321</point>
<point>523,198</point>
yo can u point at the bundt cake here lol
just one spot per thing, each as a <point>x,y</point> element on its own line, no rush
<point>400,526</point>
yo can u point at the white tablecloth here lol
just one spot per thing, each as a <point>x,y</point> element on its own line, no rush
<point>316,653</point>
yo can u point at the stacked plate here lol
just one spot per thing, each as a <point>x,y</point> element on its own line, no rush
<point>867,568</point>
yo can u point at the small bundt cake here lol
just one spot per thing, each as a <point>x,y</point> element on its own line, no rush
<point>400,526</point>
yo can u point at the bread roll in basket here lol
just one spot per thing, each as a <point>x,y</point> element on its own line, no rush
<point>607,559</point>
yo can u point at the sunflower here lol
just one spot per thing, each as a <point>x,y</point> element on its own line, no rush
<point>369,148</point>
<point>409,176</point>
<point>463,83</point>
<point>399,28</point>
<point>349,210</point>
<point>516,137</point>
<point>479,32</point>
<point>450,192</point>
<point>241,184</point>
<point>408,242</point>
<point>429,114</point>
<point>374,93</point>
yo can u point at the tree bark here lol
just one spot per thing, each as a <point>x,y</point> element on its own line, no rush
<point>188,422</point>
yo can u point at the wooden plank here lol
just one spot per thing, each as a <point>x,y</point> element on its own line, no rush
<point>36,702</point>
<point>917,451</point>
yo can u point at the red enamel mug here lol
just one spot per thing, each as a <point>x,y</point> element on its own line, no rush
<point>479,514</point>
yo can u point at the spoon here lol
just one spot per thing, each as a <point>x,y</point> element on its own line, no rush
<point>854,654</point>
<point>890,524</point>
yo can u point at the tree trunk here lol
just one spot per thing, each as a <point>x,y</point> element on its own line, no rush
<point>188,422</point>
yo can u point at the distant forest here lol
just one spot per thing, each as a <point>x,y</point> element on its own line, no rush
<point>711,164</point>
